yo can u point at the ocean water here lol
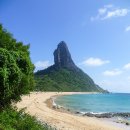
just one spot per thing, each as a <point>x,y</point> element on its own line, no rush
<point>96,103</point>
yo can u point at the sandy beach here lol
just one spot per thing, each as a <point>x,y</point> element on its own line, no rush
<point>36,105</point>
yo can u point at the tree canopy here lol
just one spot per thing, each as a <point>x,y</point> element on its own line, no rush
<point>16,68</point>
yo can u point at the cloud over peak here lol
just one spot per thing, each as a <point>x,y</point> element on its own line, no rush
<point>94,62</point>
<point>114,72</point>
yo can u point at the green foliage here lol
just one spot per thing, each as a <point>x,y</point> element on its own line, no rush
<point>16,78</point>
<point>16,69</point>
<point>65,80</point>
<point>11,119</point>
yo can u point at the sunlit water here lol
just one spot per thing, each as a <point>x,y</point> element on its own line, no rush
<point>96,103</point>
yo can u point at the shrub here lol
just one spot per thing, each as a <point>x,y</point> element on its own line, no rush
<point>16,69</point>
<point>11,119</point>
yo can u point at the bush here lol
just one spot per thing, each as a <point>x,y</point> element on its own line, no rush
<point>16,69</point>
<point>11,119</point>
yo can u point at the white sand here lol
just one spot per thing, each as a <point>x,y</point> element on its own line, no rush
<point>36,106</point>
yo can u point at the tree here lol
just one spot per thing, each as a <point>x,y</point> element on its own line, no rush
<point>16,69</point>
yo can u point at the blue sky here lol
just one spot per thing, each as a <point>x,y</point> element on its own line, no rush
<point>97,34</point>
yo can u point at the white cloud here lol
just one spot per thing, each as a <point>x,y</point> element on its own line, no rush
<point>116,13</point>
<point>102,11</point>
<point>109,11</point>
<point>41,65</point>
<point>114,72</point>
<point>127,29</point>
<point>94,62</point>
<point>127,66</point>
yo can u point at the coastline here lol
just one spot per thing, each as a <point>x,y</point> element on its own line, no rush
<point>116,119</point>
<point>39,105</point>
<point>52,105</point>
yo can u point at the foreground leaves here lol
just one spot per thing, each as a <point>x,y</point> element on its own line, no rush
<point>10,119</point>
<point>16,69</point>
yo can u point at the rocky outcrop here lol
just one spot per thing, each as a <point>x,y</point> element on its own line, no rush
<point>107,115</point>
<point>62,57</point>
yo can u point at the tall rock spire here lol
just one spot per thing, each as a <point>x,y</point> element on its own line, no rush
<point>62,56</point>
<point>64,75</point>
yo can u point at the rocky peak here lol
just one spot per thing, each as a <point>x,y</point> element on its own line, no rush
<point>62,56</point>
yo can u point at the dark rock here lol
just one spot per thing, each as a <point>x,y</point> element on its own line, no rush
<point>127,123</point>
<point>107,115</point>
<point>89,114</point>
<point>68,109</point>
<point>122,114</point>
<point>62,57</point>
<point>77,112</point>
<point>104,115</point>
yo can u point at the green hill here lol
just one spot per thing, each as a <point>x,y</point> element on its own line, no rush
<point>64,75</point>
<point>65,80</point>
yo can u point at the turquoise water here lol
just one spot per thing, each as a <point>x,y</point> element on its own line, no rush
<point>96,103</point>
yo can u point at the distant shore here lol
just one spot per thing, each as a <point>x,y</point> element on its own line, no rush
<point>39,104</point>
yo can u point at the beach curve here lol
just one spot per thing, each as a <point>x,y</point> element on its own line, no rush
<point>35,105</point>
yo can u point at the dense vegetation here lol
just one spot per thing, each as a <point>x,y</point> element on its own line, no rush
<point>10,119</point>
<point>16,78</point>
<point>65,80</point>
<point>16,69</point>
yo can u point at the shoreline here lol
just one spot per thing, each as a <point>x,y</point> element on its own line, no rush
<point>37,104</point>
<point>112,118</point>
<point>52,105</point>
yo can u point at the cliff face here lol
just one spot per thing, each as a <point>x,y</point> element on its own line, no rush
<point>62,57</point>
<point>64,75</point>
